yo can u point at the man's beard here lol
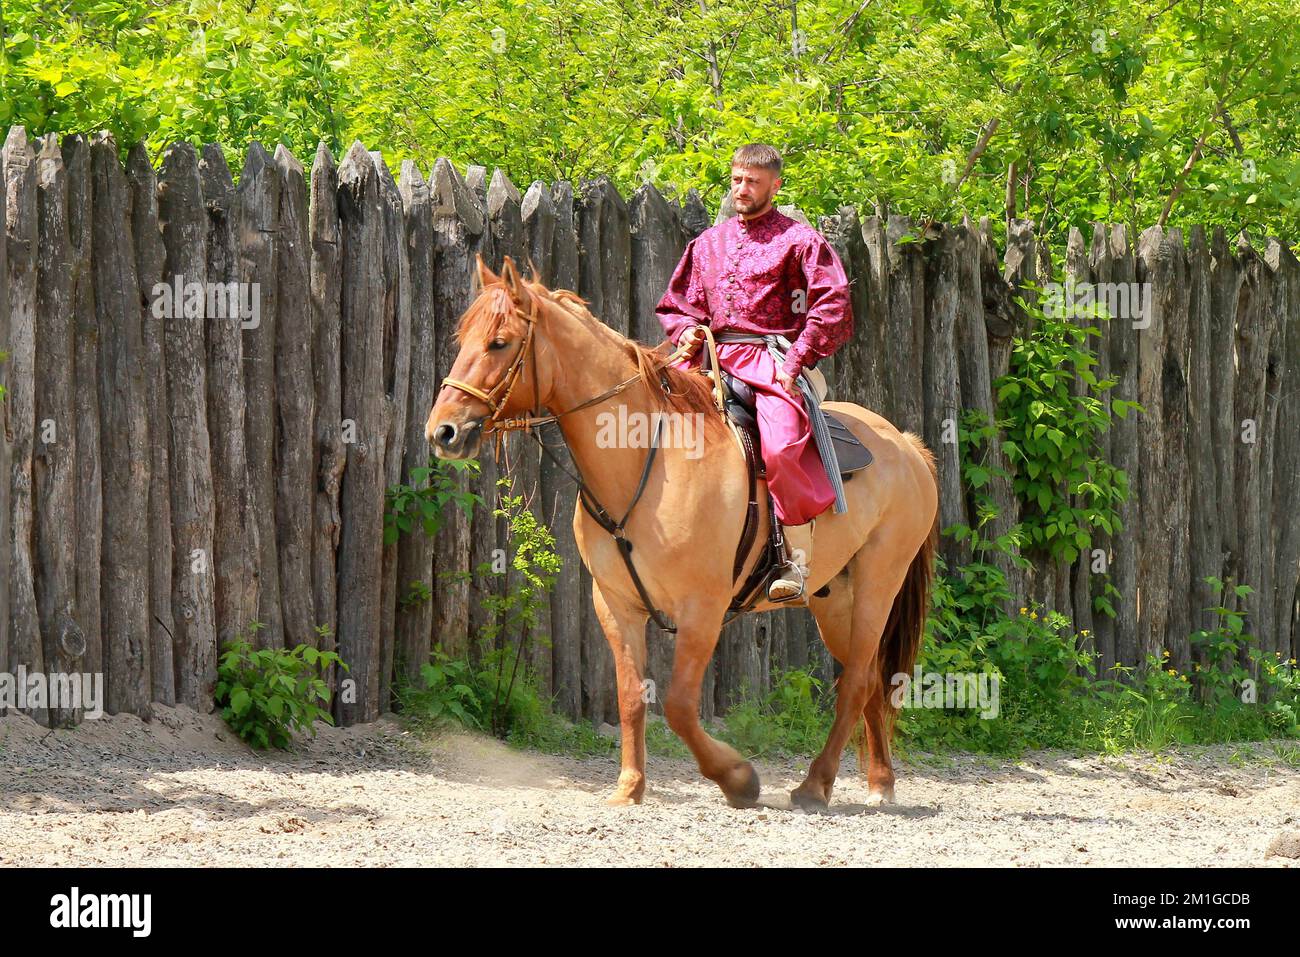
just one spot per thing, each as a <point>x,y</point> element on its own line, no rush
<point>750,205</point>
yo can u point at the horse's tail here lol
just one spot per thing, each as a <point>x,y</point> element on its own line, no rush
<point>901,639</point>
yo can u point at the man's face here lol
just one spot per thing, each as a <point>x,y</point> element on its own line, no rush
<point>752,189</point>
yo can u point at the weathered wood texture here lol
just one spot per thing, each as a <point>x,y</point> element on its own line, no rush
<point>193,510</point>
<point>234,541</point>
<point>54,476</point>
<point>328,457</point>
<point>89,494</point>
<point>458,226</point>
<point>6,455</point>
<point>415,562</point>
<point>257,249</point>
<point>25,646</point>
<point>177,469</point>
<point>396,378</point>
<point>296,406</point>
<point>150,259</point>
<point>125,448</point>
<point>360,555</point>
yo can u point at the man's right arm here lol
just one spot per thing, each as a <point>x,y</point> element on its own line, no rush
<point>685,303</point>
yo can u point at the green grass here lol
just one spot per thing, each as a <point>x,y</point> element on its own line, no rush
<point>1147,713</point>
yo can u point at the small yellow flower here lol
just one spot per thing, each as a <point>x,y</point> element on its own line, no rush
<point>1292,661</point>
<point>1196,666</point>
<point>1034,615</point>
<point>1024,611</point>
<point>1182,677</point>
<point>1166,654</point>
<point>1173,671</point>
<point>1084,632</point>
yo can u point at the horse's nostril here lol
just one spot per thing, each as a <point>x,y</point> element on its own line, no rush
<point>444,434</point>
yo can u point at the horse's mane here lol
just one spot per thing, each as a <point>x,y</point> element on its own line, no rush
<point>690,391</point>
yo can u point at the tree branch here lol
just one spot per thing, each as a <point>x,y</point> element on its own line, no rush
<point>711,57</point>
<point>845,29</point>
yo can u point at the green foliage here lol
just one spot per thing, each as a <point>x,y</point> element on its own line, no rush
<point>532,570</point>
<point>661,741</point>
<point>497,693</point>
<point>514,606</point>
<point>1047,695</point>
<point>1098,105</point>
<point>266,694</point>
<point>1051,438</point>
<point>1037,660</point>
<point>791,719</point>
<point>1157,705</point>
<point>204,71</point>
<point>458,692</point>
<point>417,593</point>
<point>1221,680</point>
<point>432,490</point>
<point>451,690</point>
<point>1149,706</point>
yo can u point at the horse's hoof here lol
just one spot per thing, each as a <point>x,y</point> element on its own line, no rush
<point>746,794</point>
<point>619,799</point>
<point>879,796</point>
<point>806,800</point>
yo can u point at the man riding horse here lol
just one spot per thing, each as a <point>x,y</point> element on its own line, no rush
<point>773,291</point>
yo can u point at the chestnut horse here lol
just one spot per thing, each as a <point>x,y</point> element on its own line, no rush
<point>524,347</point>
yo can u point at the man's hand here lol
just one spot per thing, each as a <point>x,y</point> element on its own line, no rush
<point>691,339</point>
<point>789,383</point>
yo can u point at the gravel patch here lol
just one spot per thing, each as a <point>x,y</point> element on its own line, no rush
<point>183,790</point>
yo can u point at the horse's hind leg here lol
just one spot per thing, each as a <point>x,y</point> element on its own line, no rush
<point>880,765</point>
<point>625,631</point>
<point>718,762</point>
<point>834,615</point>
<point>870,599</point>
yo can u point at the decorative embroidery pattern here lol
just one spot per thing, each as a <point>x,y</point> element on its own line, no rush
<point>746,276</point>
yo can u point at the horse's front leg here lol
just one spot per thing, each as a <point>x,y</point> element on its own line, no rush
<point>720,763</point>
<point>625,631</point>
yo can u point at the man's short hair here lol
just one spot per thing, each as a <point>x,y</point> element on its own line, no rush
<point>758,154</point>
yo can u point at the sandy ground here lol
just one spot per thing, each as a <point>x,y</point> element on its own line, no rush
<point>183,790</point>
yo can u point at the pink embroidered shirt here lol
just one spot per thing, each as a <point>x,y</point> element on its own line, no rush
<point>744,276</point>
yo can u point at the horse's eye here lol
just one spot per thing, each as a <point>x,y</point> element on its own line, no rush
<point>498,344</point>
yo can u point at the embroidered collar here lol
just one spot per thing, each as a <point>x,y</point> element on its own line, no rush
<point>759,221</point>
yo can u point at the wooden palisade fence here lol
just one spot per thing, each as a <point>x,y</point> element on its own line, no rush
<point>169,477</point>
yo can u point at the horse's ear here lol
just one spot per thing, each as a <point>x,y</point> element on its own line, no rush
<point>532,268</point>
<point>485,274</point>
<point>513,281</point>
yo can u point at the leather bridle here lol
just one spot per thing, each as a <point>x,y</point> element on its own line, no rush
<point>511,377</point>
<point>495,424</point>
<point>528,353</point>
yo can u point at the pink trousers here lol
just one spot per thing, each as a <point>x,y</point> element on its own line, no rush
<point>796,478</point>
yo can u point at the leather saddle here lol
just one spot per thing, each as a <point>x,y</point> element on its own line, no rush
<point>851,454</point>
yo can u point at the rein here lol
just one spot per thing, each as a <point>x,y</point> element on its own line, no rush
<point>526,351</point>
<point>497,427</point>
